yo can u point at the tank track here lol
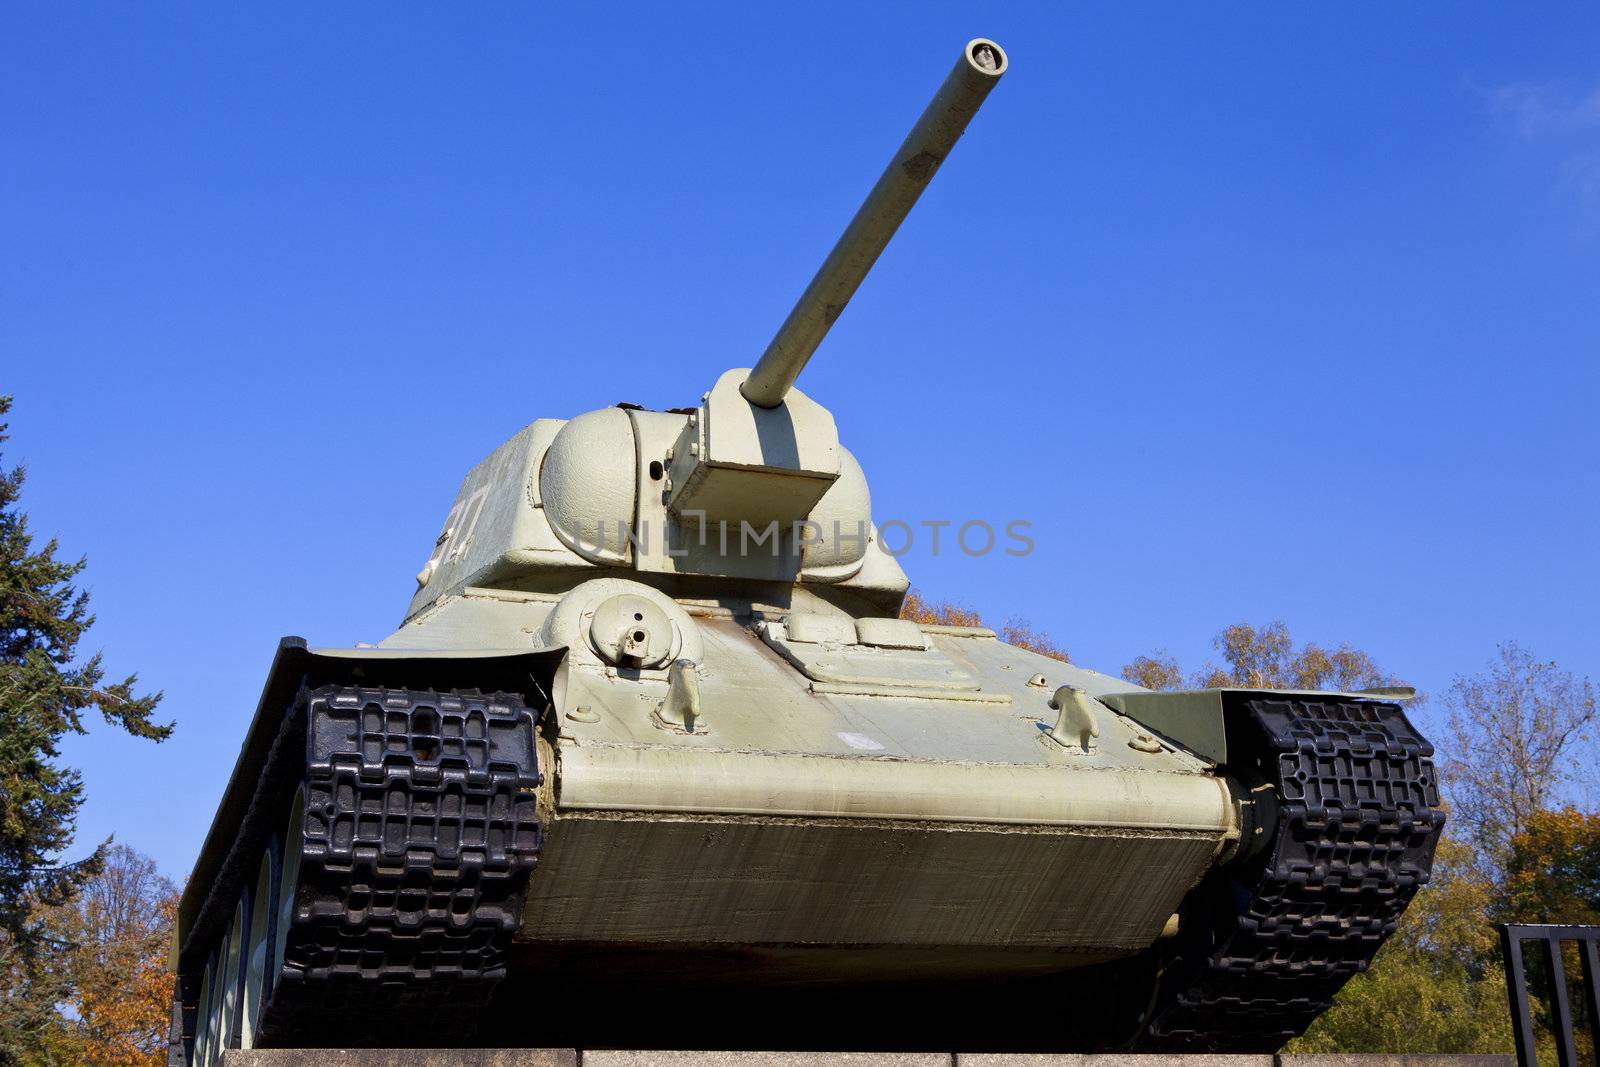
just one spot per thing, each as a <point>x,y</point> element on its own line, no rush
<point>420,831</point>
<point>1358,818</point>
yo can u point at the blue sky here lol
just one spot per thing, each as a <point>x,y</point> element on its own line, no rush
<point>1256,312</point>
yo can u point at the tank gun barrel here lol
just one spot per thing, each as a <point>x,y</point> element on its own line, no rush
<point>981,64</point>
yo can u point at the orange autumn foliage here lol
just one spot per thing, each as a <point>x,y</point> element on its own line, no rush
<point>1014,632</point>
<point>1553,872</point>
<point>123,992</point>
<point>1264,657</point>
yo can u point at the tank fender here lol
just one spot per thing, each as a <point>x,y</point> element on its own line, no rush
<point>1194,718</point>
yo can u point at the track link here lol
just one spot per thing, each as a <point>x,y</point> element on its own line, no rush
<point>1358,819</point>
<point>420,831</point>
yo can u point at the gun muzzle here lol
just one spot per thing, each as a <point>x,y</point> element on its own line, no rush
<point>981,64</point>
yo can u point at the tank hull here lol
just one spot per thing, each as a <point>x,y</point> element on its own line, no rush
<point>890,797</point>
<point>452,823</point>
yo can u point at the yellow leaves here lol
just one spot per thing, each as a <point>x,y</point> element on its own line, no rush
<point>1408,1002</point>
<point>1266,658</point>
<point>1553,873</point>
<point>1448,916</point>
<point>1263,658</point>
<point>1159,671</point>
<point>1023,635</point>
<point>124,996</point>
<point>1013,632</point>
<point>117,994</point>
<point>927,613</point>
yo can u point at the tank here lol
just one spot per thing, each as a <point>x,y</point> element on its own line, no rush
<point>652,761</point>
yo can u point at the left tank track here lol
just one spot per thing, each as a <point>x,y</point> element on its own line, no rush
<point>415,815</point>
<point>1273,940</point>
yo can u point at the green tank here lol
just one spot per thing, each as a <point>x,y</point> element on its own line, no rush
<point>652,761</point>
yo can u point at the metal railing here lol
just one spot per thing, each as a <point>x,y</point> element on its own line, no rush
<point>1587,938</point>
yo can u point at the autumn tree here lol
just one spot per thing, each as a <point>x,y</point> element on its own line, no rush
<point>1263,658</point>
<point>1515,735</point>
<point>1158,671</point>
<point>1553,869</point>
<point>1520,741</point>
<point>921,610</point>
<point>1012,632</point>
<point>102,994</point>
<point>120,924</point>
<point>1552,875</point>
<point>46,692</point>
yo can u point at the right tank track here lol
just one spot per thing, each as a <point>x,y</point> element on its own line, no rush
<point>419,834</point>
<point>414,828</point>
<point>1266,945</point>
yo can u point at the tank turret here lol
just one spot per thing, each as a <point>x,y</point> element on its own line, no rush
<point>752,485</point>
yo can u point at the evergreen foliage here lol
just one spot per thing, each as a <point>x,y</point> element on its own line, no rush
<point>47,691</point>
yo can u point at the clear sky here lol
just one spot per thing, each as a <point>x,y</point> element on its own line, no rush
<point>1283,311</point>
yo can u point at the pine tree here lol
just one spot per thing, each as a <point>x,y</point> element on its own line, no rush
<point>46,692</point>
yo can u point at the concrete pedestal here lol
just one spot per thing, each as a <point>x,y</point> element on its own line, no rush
<point>637,1058</point>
